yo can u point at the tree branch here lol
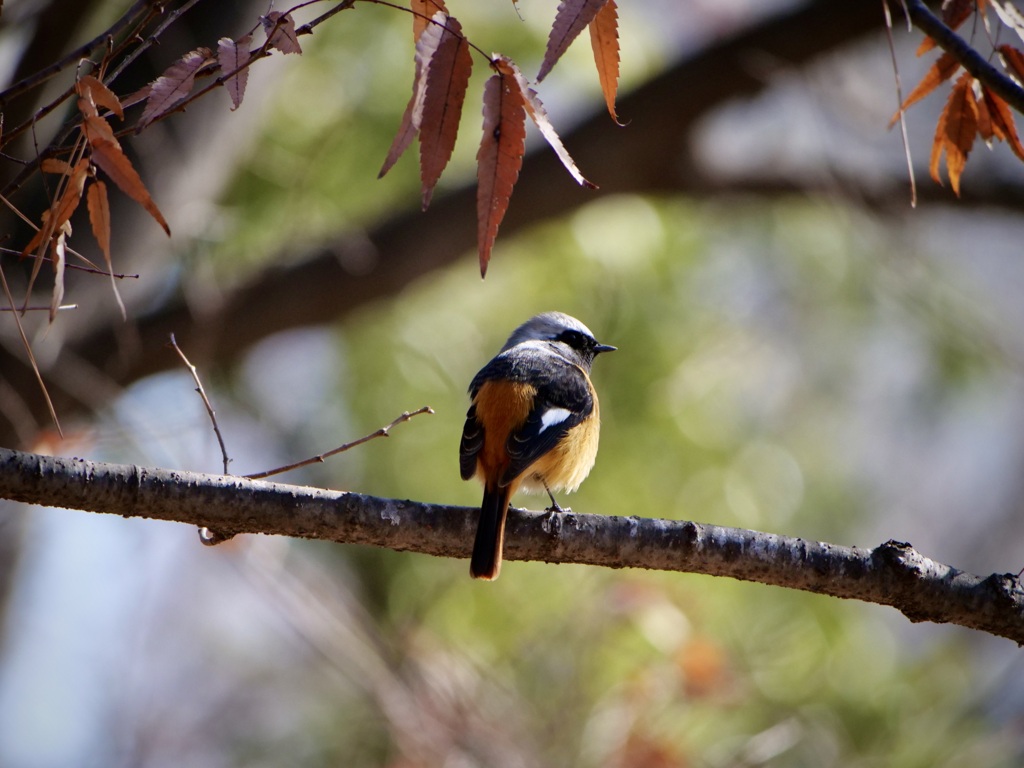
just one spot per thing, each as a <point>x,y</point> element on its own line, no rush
<point>969,59</point>
<point>892,574</point>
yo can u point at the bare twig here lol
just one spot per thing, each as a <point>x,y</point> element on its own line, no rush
<point>142,7</point>
<point>899,104</point>
<point>206,401</point>
<point>382,432</point>
<point>207,536</point>
<point>28,351</point>
<point>38,309</point>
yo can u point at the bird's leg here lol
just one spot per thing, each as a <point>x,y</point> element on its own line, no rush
<point>554,504</point>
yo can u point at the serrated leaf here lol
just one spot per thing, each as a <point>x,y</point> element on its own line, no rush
<point>55,165</point>
<point>571,18</point>
<point>944,68</point>
<point>954,13</point>
<point>173,85</point>
<point>535,109</point>
<point>955,132</point>
<point>96,92</point>
<point>1014,60</point>
<point>426,47</point>
<point>115,164</point>
<point>1003,125</point>
<point>422,12</point>
<point>1011,17</point>
<point>447,77</point>
<point>604,39</point>
<point>61,210</point>
<point>280,30</point>
<point>233,55</point>
<point>99,219</point>
<point>499,158</point>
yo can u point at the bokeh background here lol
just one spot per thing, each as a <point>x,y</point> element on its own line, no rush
<point>800,352</point>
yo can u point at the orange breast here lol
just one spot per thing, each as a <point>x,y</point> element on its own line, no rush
<point>567,465</point>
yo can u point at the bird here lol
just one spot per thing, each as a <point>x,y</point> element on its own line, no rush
<point>533,424</point>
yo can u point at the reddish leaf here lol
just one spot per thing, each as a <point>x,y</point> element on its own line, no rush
<point>571,19</point>
<point>99,219</point>
<point>604,39</point>
<point>97,93</point>
<point>955,132</point>
<point>280,29</point>
<point>535,109</point>
<point>1014,60</point>
<point>422,12</point>
<point>943,69</point>
<point>1003,125</point>
<point>426,47</point>
<point>986,128</point>
<point>118,167</point>
<point>954,13</point>
<point>233,56</point>
<point>55,165</point>
<point>60,211</point>
<point>446,76</point>
<point>499,158</point>
<point>173,85</point>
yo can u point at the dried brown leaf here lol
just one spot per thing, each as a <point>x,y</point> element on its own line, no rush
<point>955,131</point>
<point>1003,125</point>
<point>447,77</point>
<point>604,39</point>
<point>499,158</point>
<point>954,13</point>
<point>118,168</point>
<point>1014,60</point>
<point>944,68</point>
<point>173,85</point>
<point>99,219</point>
<point>58,214</point>
<point>55,165</point>
<point>986,128</point>
<point>280,30</point>
<point>426,47</point>
<point>233,55</point>
<point>535,109</point>
<point>96,92</point>
<point>422,12</point>
<point>571,18</point>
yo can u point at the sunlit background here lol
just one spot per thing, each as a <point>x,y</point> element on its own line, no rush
<point>804,364</point>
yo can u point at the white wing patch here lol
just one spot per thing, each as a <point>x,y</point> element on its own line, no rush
<point>553,416</point>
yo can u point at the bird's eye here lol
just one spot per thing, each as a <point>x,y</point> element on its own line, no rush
<point>574,339</point>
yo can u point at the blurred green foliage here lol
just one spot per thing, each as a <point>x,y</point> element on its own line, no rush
<point>754,338</point>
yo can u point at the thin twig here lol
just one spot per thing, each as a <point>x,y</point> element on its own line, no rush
<point>38,309</point>
<point>899,99</point>
<point>83,51</point>
<point>382,432</point>
<point>208,537</point>
<point>28,351</point>
<point>206,401</point>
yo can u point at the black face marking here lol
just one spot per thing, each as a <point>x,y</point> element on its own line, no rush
<point>575,339</point>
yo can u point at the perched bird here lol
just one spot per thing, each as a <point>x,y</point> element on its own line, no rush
<point>533,424</point>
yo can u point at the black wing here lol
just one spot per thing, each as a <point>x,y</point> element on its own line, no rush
<point>564,399</point>
<point>472,442</point>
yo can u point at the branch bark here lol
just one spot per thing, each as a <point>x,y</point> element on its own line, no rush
<point>892,574</point>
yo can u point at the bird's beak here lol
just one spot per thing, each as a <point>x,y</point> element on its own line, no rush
<point>604,348</point>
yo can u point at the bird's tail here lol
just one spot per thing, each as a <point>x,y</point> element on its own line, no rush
<point>490,533</point>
